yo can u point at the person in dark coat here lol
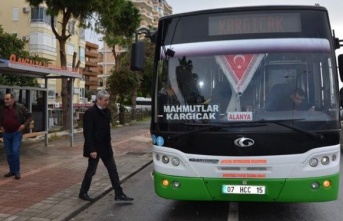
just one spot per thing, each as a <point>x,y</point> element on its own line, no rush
<point>97,145</point>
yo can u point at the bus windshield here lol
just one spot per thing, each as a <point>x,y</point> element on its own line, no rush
<point>270,82</point>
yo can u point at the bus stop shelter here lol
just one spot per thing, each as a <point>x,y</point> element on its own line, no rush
<point>30,69</point>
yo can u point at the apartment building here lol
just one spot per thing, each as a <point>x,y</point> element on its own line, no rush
<point>32,25</point>
<point>151,11</point>
<point>91,70</point>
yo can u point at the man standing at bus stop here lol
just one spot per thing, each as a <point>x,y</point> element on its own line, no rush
<point>14,119</point>
<point>97,145</point>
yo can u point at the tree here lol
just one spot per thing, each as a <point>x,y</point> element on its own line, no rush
<point>119,20</point>
<point>121,83</point>
<point>10,44</point>
<point>68,9</point>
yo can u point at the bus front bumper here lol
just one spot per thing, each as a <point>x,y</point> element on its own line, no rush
<point>275,190</point>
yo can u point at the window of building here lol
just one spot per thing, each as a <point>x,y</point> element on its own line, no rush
<point>70,49</point>
<point>42,41</point>
<point>51,91</point>
<point>82,34</point>
<point>77,90</point>
<point>71,27</point>
<point>38,15</point>
<point>82,54</point>
<point>15,14</point>
<point>82,92</point>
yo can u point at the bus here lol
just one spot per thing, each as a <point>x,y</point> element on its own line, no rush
<point>245,105</point>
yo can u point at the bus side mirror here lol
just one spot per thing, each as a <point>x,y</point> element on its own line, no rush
<point>137,56</point>
<point>340,66</point>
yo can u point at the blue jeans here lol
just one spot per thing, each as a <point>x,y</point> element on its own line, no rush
<point>12,142</point>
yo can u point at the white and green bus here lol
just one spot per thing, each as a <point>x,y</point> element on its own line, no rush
<point>245,105</point>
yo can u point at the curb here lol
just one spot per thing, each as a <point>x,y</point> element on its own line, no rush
<point>88,204</point>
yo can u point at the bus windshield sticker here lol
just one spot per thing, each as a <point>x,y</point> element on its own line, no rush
<point>239,116</point>
<point>239,68</point>
<point>191,112</point>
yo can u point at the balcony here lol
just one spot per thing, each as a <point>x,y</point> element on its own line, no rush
<point>91,83</point>
<point>90,73</point>
<point>92,45</point>
<point>104,75</point>
<point>91,64</point>
<point>91,54</point>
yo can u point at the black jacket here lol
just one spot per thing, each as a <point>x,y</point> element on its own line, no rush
<point>97,132</point>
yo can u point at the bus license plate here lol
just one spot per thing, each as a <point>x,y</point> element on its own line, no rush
<point>243,189</point>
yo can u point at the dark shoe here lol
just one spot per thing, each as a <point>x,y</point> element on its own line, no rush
<point>17,176</point>
<point>85,197</point>
<point>9,174</point>
<point>122,197</point>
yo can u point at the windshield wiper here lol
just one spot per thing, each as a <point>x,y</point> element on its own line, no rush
<point>206,127</point>
<point>280,122</point>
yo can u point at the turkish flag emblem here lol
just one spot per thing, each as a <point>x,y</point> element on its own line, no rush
<point>239,68</point>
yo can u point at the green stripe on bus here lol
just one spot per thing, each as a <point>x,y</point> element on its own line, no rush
<point>277,190</point>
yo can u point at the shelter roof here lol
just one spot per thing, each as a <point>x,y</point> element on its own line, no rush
<point>8,67</point>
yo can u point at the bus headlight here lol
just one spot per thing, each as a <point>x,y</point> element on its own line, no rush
<point>313,162</point>
<point>334,157</point>
<point>175,162</point>
<point>165,159</point>
<point>158,157</point>
<point>325,160</point>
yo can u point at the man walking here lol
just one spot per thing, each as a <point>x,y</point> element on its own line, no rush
<point>14,118</point>
<point>97,145</point>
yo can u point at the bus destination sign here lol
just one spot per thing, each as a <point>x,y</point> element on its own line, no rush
<point>254,23</point>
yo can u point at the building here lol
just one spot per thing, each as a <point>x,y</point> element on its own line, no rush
<point>91,71</point>
<point>33,26</point>
<point>151,11</point>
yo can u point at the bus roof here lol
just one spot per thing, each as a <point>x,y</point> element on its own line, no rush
<point>247,8</point>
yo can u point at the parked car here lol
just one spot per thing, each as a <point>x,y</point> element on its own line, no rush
<point>127,108</point>
<point>143,103</point>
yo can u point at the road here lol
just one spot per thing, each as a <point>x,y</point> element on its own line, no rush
<point>148,206</point>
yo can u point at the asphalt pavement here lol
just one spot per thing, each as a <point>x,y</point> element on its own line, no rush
<point>51,175</point>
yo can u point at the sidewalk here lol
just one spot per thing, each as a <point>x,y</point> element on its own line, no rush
<point>51,176</point>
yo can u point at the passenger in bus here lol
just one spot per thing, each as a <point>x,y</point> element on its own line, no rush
<point>195,97</point>
<point>296,100</point>
<point>166,97</point>
<point>221,96</point>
